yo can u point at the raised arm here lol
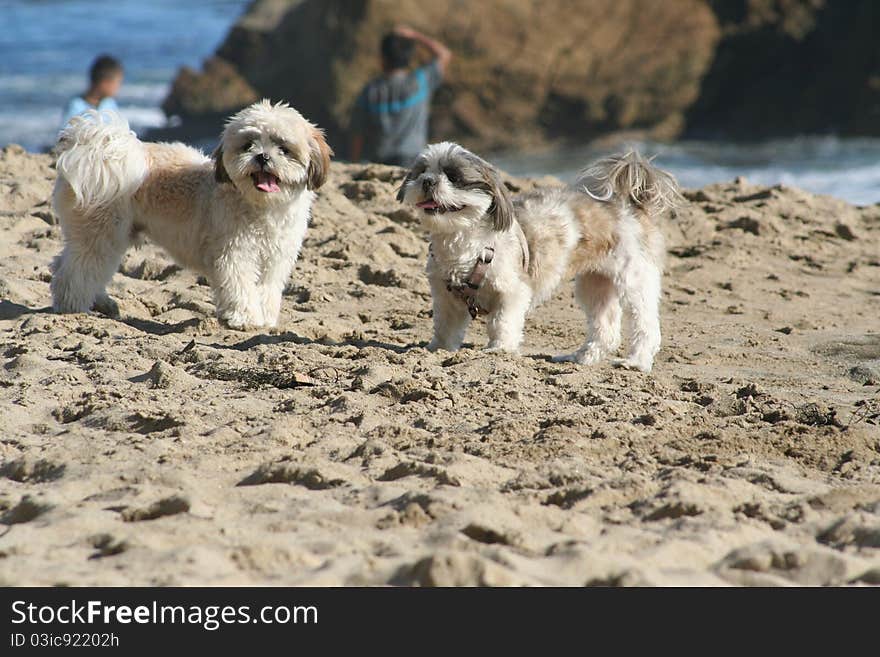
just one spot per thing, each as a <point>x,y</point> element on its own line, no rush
<point>440,52</point>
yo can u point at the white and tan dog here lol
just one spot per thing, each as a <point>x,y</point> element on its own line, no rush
<point>239,218</point>
<point>504,255</point>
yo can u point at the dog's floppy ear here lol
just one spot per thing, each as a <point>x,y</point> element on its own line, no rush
<point>501,209</point>
<point>401,191</point>
<point>220,174</point>
<point>414,172</point>
<point>319,159</point>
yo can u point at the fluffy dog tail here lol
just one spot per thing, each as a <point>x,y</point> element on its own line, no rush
<point>631,178</point>
<point>100,158</point>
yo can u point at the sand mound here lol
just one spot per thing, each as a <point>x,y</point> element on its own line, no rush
<point>160,448</point>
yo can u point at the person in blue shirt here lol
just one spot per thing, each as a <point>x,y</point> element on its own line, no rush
<point>390,119</point>
<point>105,80</point>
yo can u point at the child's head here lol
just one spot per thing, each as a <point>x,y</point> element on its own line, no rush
<point>106,76</point>
<point>397,51</point>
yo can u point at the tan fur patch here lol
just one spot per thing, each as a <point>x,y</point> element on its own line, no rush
<point>173,183</point>
<point>596,222</point>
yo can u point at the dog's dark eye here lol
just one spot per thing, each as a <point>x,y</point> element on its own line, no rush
<point>249,146</point>
<point>453,175</point>
<point>284,150</point>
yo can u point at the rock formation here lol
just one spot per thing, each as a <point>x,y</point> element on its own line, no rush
<point>525,71</point>
<point>528,72</point>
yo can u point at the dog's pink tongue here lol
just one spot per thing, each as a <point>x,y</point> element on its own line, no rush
<point>430,205</point>
<point>266,182</point>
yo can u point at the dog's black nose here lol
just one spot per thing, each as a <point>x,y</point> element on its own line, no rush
<point>429,183</point>
<point>262,158</point>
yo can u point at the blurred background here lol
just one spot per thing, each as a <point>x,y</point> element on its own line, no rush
<point>46,47</point>
<point>779,91</point>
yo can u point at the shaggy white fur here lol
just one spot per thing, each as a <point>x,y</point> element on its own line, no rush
<point>239,218</point>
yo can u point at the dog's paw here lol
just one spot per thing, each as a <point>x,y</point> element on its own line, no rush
<point>633,364</point>
<point>269,315</point>
<point>67,301</point>
<point>106,306</point>
<point>240,321</point>
<point>500,349</point>
<point>581,357</point>
<point>433,345</point>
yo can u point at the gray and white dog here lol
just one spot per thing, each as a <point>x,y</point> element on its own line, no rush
<point>503,255</point>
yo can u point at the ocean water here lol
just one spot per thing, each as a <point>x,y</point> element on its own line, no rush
<point>845,168</point>
<point>46,47</point>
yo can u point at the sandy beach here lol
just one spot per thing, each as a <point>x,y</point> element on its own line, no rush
<point>160,448</point>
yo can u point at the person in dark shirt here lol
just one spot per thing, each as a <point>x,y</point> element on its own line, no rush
<point>390,120</point>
